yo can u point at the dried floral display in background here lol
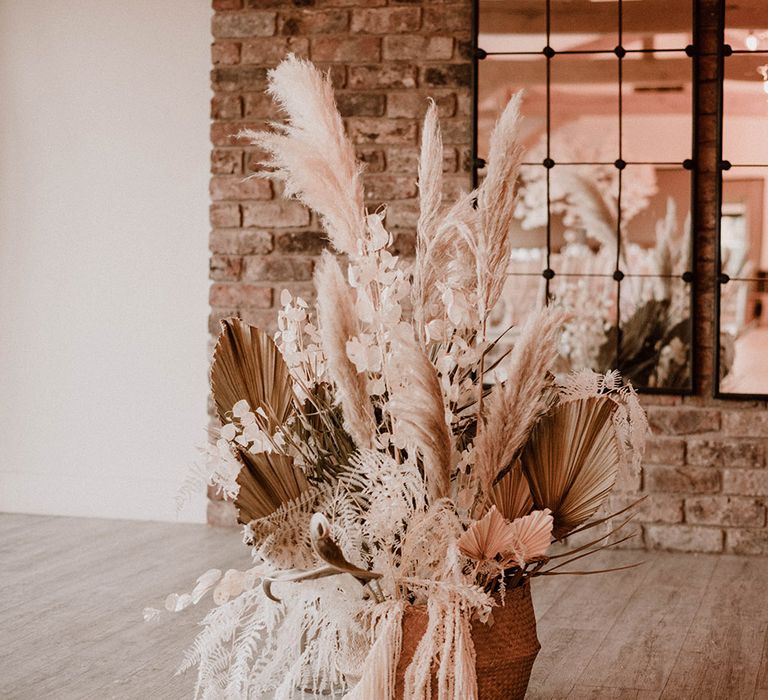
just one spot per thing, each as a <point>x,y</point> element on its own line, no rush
<point>378,475</point>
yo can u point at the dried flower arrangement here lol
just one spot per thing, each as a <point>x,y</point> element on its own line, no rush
<point>380,478</point>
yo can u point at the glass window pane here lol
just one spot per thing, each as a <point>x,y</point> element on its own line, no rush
<point>582,204</point>
<point>512,26</point>
<point>743,233</point>
<point>584,108</point>
<point>744,337</point>
<point>581,25</point>
<point>591,301</point>
<point>656,24</point>
<point>745,106</point>
<point>655,339</point>
<point>657,103</point>
<point>500,77</point>
<point>656,220</point>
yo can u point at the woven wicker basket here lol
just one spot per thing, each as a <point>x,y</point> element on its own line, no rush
<point>505,651</point>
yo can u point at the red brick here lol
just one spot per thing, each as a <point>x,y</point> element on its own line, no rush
<point>226,133</point>
<point>313,22</point>
<point>226,107</point>
<point>725,510</point>
<point>405,159</point>
<point>382,131</point>
<point>360,104</point>
<point>260,105</point>
<point>306,242</point>
<point>229,296</point>
<point>404,244</point>
<point>417,47</point>
<point>265,320</point>
<point>225,53</point>
<point>386,20</point>
<point>215,317</point>
<point>749,423</point>
<point>229,187</point>
<point>658,507</point>
<point>393,75</point>
<point>447,75</point>
<point>231,78</point>
<point>346,49</point>
<point>403,214</point>
<point>389,187</point>
<point>374,159</point>
<point>683,421</point>
<point>243,24</point>
<point>224,214</point>
<point>746,482</point>
<point>661,450</point>
<point>688,480</point>
<point>226,161</point>
<point>726,452</point>
<point>684,538</point>
<point>448,18</point>
<point>751,542</point>
<point>240,241</point>
<point>227,4</point>
<point>272,50</point>
<point>414,104</point>
<point>455,131</point>
<point>277,269</point>
<point>225,268</point>
<point>279,213</point>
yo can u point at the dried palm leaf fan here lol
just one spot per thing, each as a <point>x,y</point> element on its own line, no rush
<point>511,494</point>
<point>571,461</point>
<point>247,365</point>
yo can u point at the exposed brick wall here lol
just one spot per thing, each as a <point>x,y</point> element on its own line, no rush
<point>705,473</point>
<point>385,57</point>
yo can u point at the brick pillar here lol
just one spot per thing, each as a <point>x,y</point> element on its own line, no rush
<point>385,59</point>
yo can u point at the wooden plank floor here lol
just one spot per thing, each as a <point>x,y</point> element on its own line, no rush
<point>72,593</point>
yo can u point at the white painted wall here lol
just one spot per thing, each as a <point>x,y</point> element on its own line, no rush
<point>103,254</point>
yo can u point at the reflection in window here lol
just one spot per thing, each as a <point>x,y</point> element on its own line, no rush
<point>743,253</point>
<point>603,219</point>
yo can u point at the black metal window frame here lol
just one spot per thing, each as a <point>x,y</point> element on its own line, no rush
<point>689,164</point>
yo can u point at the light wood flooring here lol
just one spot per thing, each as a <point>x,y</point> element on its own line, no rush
<point>72,593</point>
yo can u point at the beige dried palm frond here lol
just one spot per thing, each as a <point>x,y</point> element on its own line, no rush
<point>488,537</point>
<point>247,365</point>
<point>514,406</point>
<point>496,206</point>
<point>419,412</point>
<point>267,481</point>
<point>531,535</point>
<point>338,324</point>
<point>511,494</point>
<point>311,153</point>
<point>572,459</point>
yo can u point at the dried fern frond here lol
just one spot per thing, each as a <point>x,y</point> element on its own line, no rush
<point>419,413</point>
<point>572,459</point>
<point>311,153</point>
<point>496,206</point>
<point>511,494</point>
<point>514,406</point>
<point>247,365</point>
<point>338,324</point>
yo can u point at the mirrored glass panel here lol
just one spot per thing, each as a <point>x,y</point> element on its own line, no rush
<point>603,219</point>
<point>742,356</point>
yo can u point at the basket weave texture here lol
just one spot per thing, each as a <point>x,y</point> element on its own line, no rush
<point>505,651</point>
